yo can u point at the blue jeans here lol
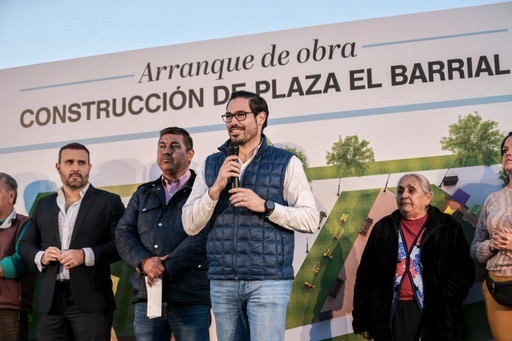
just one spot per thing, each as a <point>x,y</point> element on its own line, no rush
<point>250,310</point>
<point>185,322</point>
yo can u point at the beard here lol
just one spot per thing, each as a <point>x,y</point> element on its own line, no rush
<point>245,136</point>
<point>76,183</point>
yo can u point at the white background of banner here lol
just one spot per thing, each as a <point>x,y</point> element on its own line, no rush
<point>400,122</point>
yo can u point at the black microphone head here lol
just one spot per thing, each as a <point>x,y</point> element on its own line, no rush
<point>233,148</point>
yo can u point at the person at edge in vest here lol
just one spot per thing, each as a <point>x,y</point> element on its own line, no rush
<point>71,242</point>
<point>17,278</point>
<point>251,241</point>
<point>492,247</point>
<point>151,241</point>
<point>415,272</point>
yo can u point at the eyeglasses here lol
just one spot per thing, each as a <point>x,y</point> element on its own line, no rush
<point>240,116</point>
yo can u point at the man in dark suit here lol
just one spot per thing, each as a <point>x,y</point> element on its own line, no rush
<point>71,242</point>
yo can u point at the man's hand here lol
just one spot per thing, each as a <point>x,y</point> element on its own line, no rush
<point>153,268</point>
<point>365,335</point>
<point>51,254</point>
<point>72,258</point>
<point>230,168</point>
<point>244,197</point>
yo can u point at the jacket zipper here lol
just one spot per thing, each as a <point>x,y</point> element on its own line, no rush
<point>235,242</point>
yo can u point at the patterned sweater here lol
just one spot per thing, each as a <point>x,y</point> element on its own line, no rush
<point>496,214</point>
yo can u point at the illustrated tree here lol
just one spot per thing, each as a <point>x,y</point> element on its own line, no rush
<point>473,140</point>
<point>298,153</point>
<point>350,157</point>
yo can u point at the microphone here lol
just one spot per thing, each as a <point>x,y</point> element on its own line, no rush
<point>233,149</point>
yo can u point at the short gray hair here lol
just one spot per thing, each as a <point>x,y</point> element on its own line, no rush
<point>10,183</point>
<point>422,180</point>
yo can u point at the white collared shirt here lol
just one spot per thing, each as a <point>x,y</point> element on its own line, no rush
<point>8,221</point>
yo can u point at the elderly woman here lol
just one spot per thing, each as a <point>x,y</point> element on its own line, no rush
<point>492,246</point>
<point>414,273</point>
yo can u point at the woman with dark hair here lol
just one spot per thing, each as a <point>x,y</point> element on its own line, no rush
<point>492,246</point>
<point>414,273</point>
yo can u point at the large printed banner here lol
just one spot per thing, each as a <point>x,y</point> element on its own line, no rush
<point>396,82</point>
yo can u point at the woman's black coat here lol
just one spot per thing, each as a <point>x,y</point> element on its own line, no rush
<point>448,273</point>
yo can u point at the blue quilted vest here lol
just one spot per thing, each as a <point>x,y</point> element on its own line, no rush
<point>244,245</point>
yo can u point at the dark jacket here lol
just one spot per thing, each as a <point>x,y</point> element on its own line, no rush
<point>244,245</point>
<point>91,286</point>
<point>448,273</point>
<point>148,228</point>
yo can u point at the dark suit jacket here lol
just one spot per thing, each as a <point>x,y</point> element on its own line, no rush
<point>91,286</point>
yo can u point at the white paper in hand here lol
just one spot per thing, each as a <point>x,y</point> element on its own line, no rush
<point>154,298</point>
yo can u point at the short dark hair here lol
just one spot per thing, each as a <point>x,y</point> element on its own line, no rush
<point>256,102</point>
<point>503,143</point>
<point>189,144</point>
<point>75,146</point>
<point>10,183</point>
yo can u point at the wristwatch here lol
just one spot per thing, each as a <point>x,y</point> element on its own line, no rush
<point>269,207</point>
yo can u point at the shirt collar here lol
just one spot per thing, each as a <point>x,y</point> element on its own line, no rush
<point>254,153</point>
<point>182,180</point>
<point>61,197</point>
<point>7,222</point>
